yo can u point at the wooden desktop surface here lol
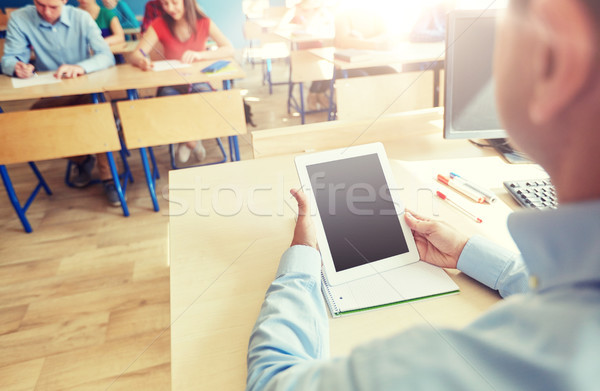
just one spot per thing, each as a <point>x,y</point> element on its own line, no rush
<point>124,47</point>
<point>117,78</point>
<point>229,225</point>
<point>296,34</point>
<point>403,53</point>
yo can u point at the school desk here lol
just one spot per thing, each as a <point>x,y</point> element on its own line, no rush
<point>119,78</point>
<point>430,55</point>
<point>229,225</point>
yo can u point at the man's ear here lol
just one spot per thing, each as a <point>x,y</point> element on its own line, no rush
<point>562,58</point>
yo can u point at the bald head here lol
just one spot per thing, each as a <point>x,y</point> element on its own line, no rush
<point>548,87</point>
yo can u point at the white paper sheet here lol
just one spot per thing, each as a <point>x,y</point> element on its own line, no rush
<point>35,80</point>
<point>167,65</point>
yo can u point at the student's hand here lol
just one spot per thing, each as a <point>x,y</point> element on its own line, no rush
<point>304,233</point>
<point>189,56</point>
<point>437,242</point>
<point>67,71</point>
<point>23,71</point>
<point>145,64</point>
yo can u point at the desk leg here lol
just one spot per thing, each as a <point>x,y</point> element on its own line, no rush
<point>117,180</point>
<point>436,85</point>
<point>12,195</point>
<point>302,110</point>
<point>269,69</point>
<point>41,181</point>
<point>149,178</point>
<point>13,199</point>
<point>331,113</point>
<point>234,148</point>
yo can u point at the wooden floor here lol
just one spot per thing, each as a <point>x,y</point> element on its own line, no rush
<point>84,299</point>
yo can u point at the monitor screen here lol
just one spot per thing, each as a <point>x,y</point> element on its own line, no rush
<point>470,105</point>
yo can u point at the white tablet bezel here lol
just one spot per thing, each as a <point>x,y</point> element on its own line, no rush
<point>334,277</point>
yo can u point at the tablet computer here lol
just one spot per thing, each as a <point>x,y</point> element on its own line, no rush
<point>358,216</point>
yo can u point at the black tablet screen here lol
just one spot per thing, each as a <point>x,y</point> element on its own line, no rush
<point>357,211</point>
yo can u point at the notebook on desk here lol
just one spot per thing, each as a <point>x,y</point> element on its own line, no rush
<point>417,281</point>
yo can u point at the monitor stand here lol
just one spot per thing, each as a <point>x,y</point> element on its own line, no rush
<point>509,154</point>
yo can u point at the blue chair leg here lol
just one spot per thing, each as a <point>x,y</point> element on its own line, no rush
<point>115,175</point>
<point>149,179</point>
<point>155,172</point>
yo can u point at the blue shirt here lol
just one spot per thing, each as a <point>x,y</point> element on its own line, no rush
<point>68,41</point>
<point>547,338</point>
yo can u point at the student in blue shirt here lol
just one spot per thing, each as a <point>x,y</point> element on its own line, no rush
<point>66,40</point>
<point>546,334</point>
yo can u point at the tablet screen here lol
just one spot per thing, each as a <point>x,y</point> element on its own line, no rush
<point>357,211</point>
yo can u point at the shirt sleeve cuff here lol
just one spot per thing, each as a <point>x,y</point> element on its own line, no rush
<point>484,260</point>
<point>300,259</point>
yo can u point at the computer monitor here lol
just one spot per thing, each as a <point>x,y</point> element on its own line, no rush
<point>470,105</point>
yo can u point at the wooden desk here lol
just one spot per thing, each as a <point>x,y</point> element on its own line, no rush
<point>295,35</point>
<point>117,78</point>
<point>403,53</point>
<point>229,225</point>
<point>124,47</point>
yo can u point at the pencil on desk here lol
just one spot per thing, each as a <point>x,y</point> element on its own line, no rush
<point>461,188</point>
<point>460,208</point>
<point>487,194</point>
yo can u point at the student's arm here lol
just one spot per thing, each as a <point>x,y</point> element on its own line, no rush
<point>118,36</point>
<point>140,57</point>
<point>102,57</point>
<point>15,60</point>
<point>225,48</point>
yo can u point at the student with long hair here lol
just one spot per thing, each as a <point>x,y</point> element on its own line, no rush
<point>183,30</point>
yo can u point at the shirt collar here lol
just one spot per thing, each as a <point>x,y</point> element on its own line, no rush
<point>65,17</point>
<point>560,247</point>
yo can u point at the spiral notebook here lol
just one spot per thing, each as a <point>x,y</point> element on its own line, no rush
<point>416,281</point>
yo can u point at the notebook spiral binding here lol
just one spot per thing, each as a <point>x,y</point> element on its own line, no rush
<point>328,296</point>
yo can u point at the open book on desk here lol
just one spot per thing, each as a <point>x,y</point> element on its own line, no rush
<point>416,281</point>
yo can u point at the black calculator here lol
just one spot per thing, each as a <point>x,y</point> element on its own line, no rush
<point>533,193</point>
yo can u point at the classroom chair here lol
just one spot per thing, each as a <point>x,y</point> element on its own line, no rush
<point>305,67</point>
<point>29,136</point>
<point>369,97</point>
<point>179,118</point>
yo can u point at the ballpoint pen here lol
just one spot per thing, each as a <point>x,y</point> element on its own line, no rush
<point>457,206</point>
<point>461,188</point>
<point>487,194</point>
